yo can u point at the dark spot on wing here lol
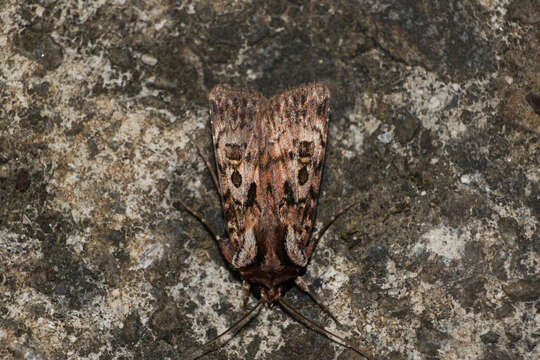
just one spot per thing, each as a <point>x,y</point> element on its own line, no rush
<point>236,179</point>
<point>233,152</point>
<point>306,149</point>
<point>303,175</point>
<point>313,193</point>
<point>288,193</point>
<point>291,155</point>
<point>251,195</point>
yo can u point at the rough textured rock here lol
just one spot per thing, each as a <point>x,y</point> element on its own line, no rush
<point>430,128</point>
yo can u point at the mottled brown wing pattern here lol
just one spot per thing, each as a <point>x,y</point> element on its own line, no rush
<point>235,117</point>
<point>294,129</point>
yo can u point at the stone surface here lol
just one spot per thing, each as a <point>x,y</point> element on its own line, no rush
<point>430,128</point>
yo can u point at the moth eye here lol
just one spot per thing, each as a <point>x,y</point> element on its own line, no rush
<point>303,175</point>
<point>236,179</point>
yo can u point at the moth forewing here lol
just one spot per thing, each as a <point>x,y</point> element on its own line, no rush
<point>269,160</point>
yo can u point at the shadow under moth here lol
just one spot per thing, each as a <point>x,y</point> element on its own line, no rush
<point>269,156</point>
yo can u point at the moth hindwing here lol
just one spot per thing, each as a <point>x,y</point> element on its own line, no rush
<point>269,156</point>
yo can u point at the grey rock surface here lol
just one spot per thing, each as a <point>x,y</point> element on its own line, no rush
<point>429,128</point>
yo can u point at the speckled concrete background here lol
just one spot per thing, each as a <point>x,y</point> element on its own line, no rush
<point>430,128</point>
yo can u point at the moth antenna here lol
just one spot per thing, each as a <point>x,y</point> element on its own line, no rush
<point>227,335</point>
<point>303,286</point>
<point>320,329</point>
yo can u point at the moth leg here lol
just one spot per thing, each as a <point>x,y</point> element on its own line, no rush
<point>333,219</point>
<point>245,292</point>
<point>226,251</point>
<point>303,286</point>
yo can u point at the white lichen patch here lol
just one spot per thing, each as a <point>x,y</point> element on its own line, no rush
<point>523,215</point>
<point>429,99</point>
<point>144,251</point>
<point>444,241</point>
<point>363,124</point>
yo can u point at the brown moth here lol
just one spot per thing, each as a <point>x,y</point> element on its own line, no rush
<point>269,156</point>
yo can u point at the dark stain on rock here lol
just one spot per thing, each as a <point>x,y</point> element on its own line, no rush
<point>23,180</point>
<point>523,289</point>
<point>40,47</point>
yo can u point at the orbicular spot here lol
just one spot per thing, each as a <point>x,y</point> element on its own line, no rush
<point>303,175</point>
<point>322,109</point>
<point>305,149</point>
<point>251,195</point>
<point>236,179</point>
<point>288,193</point>
<point>269,190</point>
<point>233,152</point>
<point>291,155</point>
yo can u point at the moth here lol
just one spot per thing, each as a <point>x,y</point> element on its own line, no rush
<point>269,159</point>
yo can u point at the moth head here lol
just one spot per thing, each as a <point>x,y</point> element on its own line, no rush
<point>270,296</point>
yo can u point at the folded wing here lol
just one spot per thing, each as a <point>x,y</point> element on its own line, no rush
<point>294,128</point>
